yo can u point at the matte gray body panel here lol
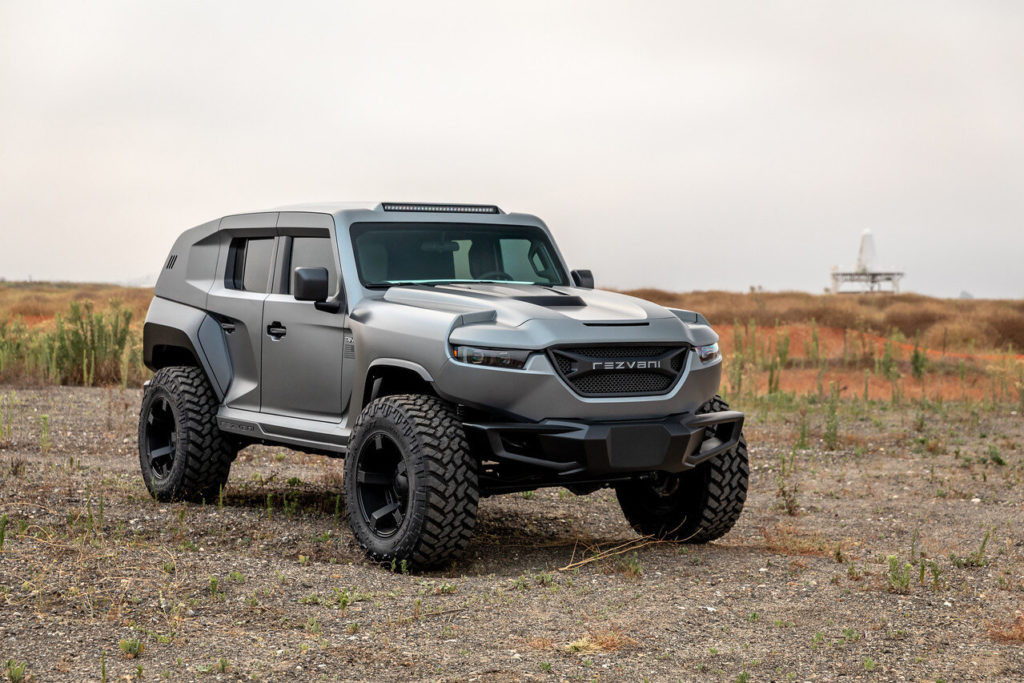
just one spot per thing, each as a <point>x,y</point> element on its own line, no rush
<point>538,393</point>
<point>201,332</point>
<point>302,371</point>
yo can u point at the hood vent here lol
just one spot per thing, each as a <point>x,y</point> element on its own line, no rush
<point>614,324</point>
<point>549,301</point>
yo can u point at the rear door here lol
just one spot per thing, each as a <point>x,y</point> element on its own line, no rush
<point>237,300</point>
<point>303,347</point>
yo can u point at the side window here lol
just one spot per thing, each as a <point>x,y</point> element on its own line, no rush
<point>313,252</point>
<point>249,264</point>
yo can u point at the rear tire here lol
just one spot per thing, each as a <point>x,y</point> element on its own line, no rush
<point>411,488</point>
<point>697,506</point>
<point>182,452</point>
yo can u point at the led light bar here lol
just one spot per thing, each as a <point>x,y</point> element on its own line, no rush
<point>442,208</point>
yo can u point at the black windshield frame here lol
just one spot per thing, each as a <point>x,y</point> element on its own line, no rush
<point>490,237</point>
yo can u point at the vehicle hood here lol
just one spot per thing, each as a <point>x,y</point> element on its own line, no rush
<point>515,304</point>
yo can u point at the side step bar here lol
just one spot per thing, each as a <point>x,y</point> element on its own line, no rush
<point>330,438</point>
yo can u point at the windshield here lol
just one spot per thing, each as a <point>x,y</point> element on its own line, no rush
<point>441,253</point>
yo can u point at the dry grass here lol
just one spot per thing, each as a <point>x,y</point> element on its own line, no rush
<point>953,323</point>
<point>786,539</point>
<point>40,302</point>
<point>984,323</point>
<point>603,640</point>
<point>987,324</point>
<point>1009,631</point>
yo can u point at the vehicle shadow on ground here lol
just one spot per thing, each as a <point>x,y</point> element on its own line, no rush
<point>292,500</point>
<point>508,540</point>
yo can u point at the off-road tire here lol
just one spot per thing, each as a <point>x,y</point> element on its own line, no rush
<point>697,506</point>
<point>202,455</point>
<point>442,486</point>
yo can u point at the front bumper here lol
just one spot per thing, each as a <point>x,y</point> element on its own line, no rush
<point>572,449</point>
<point>537,393</point>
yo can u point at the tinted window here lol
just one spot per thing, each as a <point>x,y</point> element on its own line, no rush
<point>256,271</point>
<point>516,259</point>
<point>389,253</point>
<point>314,252</point>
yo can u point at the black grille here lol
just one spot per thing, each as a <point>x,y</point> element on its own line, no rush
<point>610,369</point>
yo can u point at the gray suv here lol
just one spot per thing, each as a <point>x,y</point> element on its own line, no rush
<point>446,352</point>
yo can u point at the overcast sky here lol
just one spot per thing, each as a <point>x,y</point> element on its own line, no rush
<point>682,145</point>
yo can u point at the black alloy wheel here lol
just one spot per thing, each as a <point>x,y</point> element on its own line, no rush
<point>382,485</point>
<point>160,444</point>
<point>410,482</point>
<point>182,453</point>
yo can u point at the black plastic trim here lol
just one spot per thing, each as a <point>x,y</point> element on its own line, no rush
<point>568,450</point>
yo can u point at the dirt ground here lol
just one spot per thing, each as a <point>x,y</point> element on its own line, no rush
<point>89,560</point>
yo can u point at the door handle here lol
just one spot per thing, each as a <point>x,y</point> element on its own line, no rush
<point>276,330</point>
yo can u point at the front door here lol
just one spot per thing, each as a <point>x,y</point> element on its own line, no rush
<point>302,346</point>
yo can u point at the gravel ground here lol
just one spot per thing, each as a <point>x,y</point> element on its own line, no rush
<point>90,560</point>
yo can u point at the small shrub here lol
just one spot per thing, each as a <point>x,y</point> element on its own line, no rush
<point>785,488</point>
<point>801,439</point>
<point>15,671</point>
<point>629,565</point>
<point>132,647</point>
<point>899,576</point>
<point>975,559</point>
<point>918,362</point>
<point>44,434</point>
<point>831,435</point>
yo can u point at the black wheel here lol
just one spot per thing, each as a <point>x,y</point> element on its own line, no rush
<point>182,453</point>
<point>411,487</point>
<point>698,506</point>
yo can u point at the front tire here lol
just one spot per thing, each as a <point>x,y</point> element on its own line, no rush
<point>411,488</point>
<point>182,452</point>
<point>697,506</point>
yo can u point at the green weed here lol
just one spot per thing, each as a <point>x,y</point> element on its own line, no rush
<point>15,671</point>
<point>898,576</point>
<point>132,647</point>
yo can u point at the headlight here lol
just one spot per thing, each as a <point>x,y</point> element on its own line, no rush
<point>498,358</point>
<point>707,353</point>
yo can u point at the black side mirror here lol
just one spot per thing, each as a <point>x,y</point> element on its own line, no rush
<point>310,284</point>
<point>583,278</point>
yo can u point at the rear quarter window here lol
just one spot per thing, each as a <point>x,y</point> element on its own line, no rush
<point>249,264</point>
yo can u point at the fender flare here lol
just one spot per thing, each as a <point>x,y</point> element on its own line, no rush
<point>404,364</point>
<point>177,326</point>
